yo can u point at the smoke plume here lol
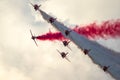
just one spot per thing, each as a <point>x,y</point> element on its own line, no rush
<point>105,30</point>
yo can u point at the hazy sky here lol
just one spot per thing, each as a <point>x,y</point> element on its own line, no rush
<point>20,59</point>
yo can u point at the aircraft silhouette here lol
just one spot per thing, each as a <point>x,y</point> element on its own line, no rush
<point>64,55</point>
<point>86,51</point>
<point>67,32</point>
<point>33,38</point>
<point>66,43</point>
<point>105,68</point>
<point>36,7</point>
<point>51,19</point>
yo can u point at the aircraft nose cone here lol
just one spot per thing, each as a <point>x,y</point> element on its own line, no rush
<point>33,37</point>
<point>36,7</point>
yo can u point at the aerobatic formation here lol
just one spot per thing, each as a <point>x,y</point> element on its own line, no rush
<point>100,55</point>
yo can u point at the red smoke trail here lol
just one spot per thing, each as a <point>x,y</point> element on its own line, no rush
<point>51,36</point>
<point>108,29</point>
<point>105,30</point>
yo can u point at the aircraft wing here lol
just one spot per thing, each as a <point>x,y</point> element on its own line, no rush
<point>69,48</point>
<point>35,42</point>
<point>67,59</point>
<point>98,54</point>
<point>58,51</point>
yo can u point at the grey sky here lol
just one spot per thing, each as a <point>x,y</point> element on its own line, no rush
<point>20,59</point>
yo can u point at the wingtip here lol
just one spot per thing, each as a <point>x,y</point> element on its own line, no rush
<point>67,59</point>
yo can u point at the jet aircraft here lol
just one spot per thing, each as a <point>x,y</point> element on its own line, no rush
<point>36,7</point>
<point>64,55</point>
<point>86,51</point>
<point>33,38</point>
<point>67,32</point>
<point>66,43</point>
